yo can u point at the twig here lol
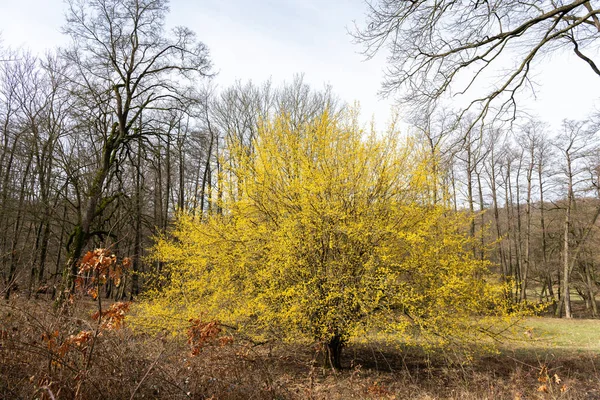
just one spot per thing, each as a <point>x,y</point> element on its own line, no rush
<point>46,388</point>
<point>145,375</point>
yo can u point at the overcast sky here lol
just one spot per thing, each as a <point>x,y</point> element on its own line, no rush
<point>261,39</point>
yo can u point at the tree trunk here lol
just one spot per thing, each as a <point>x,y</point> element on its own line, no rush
<point>591,288</point>
<point>566,287</point>
<point>494,190</point>
<point>334,352</point>
<point>519,233</point>
<point>17,232</point>
<point>526,264</point>
<point>544,235</point>
<point>207,174</point>
<point>507,206</point>
<point>481,216</point>
<point>137,246</point>
<point>81,232</point>
<point>165,216</point>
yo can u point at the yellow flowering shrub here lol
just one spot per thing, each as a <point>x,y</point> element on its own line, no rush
<point>326,232</point>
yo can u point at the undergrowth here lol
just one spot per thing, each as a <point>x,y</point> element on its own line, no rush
<point>85,350</point>
<point>47,354</point>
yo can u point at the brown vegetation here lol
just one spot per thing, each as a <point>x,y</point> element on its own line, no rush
<point>48,354</point>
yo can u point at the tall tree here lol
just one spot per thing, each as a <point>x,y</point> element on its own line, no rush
<point>575,144</point>
<point>529,139</point>
<point>124,64</point>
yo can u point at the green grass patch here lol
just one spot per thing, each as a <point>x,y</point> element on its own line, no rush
<point>568,335</point>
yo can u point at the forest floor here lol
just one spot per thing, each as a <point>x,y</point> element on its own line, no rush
<point>43,354</point>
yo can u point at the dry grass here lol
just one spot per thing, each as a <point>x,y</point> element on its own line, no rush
<point>35,364</point>
<point>559,361</point>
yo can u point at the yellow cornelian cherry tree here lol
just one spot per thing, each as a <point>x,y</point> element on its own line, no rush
<point>325,232</point>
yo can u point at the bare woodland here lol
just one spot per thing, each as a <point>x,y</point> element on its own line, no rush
<point>165,237</point>
<point>104,142</point>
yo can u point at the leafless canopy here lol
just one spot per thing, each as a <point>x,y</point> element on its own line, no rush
<point>439,47</point>
<point>123,55</point>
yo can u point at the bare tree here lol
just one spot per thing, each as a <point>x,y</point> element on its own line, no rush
<point>543,157</point>
<point>530,138</point>
<point>441,146</point>
<point>124,64</point>
<point>302,103</point>
<point>452,46</point>
<point>492,168</point>
<point>575,143</point>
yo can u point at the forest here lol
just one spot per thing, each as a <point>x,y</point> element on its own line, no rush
<point>259,241</point>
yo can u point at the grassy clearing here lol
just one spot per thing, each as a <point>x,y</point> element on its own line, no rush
<point>568,335</point>
<point>551,359</point>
